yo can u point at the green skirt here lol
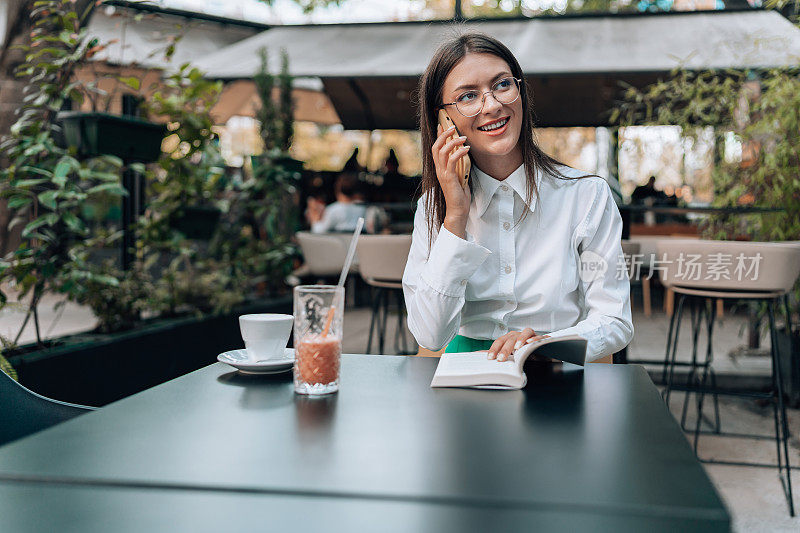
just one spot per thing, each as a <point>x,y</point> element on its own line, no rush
<point>467,344</point>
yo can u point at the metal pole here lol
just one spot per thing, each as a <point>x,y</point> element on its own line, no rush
<point>133,202</point>
<point>128,181</point>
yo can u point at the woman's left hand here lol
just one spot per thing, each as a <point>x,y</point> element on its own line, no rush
<point>503,347</point>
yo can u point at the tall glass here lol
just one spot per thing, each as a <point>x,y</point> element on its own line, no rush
<point>318,321</point>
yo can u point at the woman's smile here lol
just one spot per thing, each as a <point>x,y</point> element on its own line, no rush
<point>495,127</point>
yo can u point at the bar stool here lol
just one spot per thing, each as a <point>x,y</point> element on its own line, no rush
<point>382,260</point>
<point>700,272</point>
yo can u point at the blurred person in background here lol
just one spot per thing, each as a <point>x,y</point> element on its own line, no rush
<point>643,192</point>
<point>343,214</point>
<point>649,196</point>
<point>391,167</point>
<point>352,164</point>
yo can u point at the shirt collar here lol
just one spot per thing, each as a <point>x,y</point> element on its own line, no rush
<point>485,186</point>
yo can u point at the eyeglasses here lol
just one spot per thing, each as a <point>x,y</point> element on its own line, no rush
<point>505,91</point>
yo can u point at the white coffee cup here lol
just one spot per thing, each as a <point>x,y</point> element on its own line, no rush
<point>265,334</point>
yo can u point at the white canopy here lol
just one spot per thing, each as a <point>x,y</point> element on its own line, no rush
<point>137,36</point>
<point>141,42</point>
<point>553,45</point>
<point>574,64</point>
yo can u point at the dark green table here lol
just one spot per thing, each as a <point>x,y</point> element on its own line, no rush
<point>594,446</point>
<point>48,508</point>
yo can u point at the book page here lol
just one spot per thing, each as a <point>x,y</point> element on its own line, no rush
<point>474,369</point>
<point>471,363</point>
<point>471,369</point>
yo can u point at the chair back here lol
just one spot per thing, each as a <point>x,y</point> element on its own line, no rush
<point>383,257</point>
<point>23,412</point>
<point>728,265</point>
<point>630,249</point>
<point>324,253</point>
<point>648,246</point>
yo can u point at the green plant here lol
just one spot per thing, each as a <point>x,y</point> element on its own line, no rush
<point>191,169</point>
<point>755,110</point>
<point>118,306</point>
<point>45,184</point>
<point>49,186</point>
<point>261,242</point>
<point>254,247</point>
<point>167,272</point>
<point>250,250</point>
<point>758,111</point>
<point>275,116</point>
<point>273,191</point>
<point>6,367</point>
<point>103,100</point>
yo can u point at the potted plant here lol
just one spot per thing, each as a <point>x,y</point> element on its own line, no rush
<point>176,308</point>
<point>97,133</point>
<point>275,173</point>
<point>45,184</point>
<point>129,136</point>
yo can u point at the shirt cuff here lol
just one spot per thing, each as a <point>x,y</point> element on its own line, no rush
<point>452,261</point>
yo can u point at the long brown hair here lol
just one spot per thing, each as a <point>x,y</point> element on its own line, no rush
<point>430,98</point>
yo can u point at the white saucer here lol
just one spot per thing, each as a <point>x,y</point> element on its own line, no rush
<point>242,362</point>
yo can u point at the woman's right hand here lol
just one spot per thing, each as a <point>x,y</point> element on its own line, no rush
<point>457,197</point>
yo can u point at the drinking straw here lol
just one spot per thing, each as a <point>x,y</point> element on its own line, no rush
<point>345,270</point>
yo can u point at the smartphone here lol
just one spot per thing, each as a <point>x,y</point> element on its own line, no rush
<point>463,165</point>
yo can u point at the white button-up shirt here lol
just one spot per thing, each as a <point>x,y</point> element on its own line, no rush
<point>510,274</point>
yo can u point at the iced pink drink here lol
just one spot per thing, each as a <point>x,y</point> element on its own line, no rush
<point>317,359</point>
<point>318,316</point>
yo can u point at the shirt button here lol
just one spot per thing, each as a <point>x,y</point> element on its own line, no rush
<point>506,225</point>
<point>502,326</point>
<point>463,282</point>
<point>508,270</point>
<point>504,187</point>
<point>510,302</point>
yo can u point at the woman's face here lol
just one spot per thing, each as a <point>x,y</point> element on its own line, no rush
<point>479,72</point>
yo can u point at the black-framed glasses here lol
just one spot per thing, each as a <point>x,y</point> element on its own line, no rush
<point>470,103</point>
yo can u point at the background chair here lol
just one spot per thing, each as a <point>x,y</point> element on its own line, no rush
<point>324,253</point>
<point>382,260</point>
<point>648,257</point>
<point>699,272</point>
<point>637,273</point>
<point>23,412</point>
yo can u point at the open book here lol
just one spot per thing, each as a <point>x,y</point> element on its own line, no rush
<point>473,369</point>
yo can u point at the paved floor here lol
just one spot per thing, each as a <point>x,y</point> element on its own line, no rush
<point>753,495</point>
<point>53,321</point>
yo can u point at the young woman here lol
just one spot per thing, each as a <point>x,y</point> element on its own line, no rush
<point>500,262</point>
